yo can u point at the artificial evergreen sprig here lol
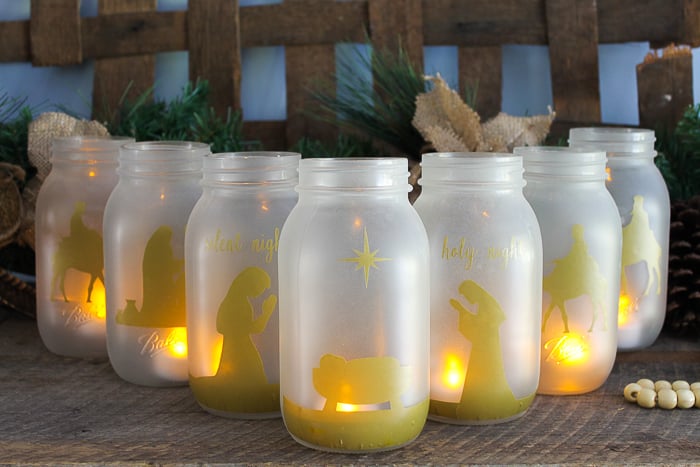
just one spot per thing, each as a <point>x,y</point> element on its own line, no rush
<point>188,117</point>
<point>380,108</point>
<point>679,155</point>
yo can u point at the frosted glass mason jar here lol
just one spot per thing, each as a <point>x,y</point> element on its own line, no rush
<point>582,244</point>
<point>354,308</point>
<point>486,287</point>
<point>144,244</point>
<point>69,261</point>
<point>641,195</point>
<point>231,250</point>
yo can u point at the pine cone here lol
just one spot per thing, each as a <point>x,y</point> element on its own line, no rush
<point>683,306</point>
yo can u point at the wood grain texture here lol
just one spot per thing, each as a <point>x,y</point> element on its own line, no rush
<point>480,70</point>
<point>141,33</point>
<point>398,23</point>
<point>306,66</point>
<point>305,22</point>
<point>213,31</point>
<point>114,76</point>
<point>14,41</point>
<point>573,54</point>
<point>54,32</point>
<point>69,411</point>
<point>664,91</point>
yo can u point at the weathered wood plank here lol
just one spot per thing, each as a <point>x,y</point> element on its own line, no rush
<point>484,22</point>
<point>114,75</point>
<point>213,29</point>
<point>657,21</point>
<point>398,23</point>
<point>14,41</point>
<point>54,32</point>
<point>271,134</point>
<point>307,22</point>
<point>664,90</point>
<point>480,71</point>
<point>67,411</point>
<point>305,67</point>
<point>573,54</point>
<point>134,34</point>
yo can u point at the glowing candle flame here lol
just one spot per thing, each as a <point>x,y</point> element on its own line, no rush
<point>626,307</point>
<point>453,375</point>
<point>568,349</point>
<point>178,343</point>
<point>609,172</point>
<point>342,407</point>
<point>91,173</point>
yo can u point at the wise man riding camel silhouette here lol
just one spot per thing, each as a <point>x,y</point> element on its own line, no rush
<point>639,244</point>
<point>574,275</point>
<point>80,250</point>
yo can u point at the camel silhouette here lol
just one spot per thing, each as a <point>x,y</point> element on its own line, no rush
<point>486,394</point>
<point>163,286</point>
<point>640,244</point>
<point>574,275</point>
<point>80,250</point>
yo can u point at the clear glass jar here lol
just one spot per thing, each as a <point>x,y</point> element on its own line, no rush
<point>641,195</point>
<point>231,250</point>
<point>69,262</point>
<point>144,245</point>
<point>354,308</point>
<point>582,245</point>
<point>486,287</point>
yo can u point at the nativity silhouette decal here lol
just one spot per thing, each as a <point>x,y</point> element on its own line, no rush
<point>163,286</point>
<point>640,245</point>
<point>486,394</point>
<point>240,383</point>
<point>80,250</point>
<point>573,276</point>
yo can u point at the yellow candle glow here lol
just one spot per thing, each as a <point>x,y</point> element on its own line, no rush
<point>568,349</point>
<point>453,374</point>
<point>626,308</point>
<point>178,343</point>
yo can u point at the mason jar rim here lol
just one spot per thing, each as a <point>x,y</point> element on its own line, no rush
<point>616,141</point>
<point>354,173</point>
<point>250,167</point>
<point>490,170</point>
<point>95,148</point>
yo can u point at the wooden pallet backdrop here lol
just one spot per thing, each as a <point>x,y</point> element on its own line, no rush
<point>126,33</point>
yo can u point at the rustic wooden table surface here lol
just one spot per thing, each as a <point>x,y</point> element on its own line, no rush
<point>56,410</point>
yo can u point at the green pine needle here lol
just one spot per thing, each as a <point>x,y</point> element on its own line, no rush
<point>679,155</point>
<point>382,109</point>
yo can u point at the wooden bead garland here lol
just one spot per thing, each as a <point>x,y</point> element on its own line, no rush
<point>647,393</point>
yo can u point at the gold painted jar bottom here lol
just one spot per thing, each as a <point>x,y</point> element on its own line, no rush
<point>362,431</point>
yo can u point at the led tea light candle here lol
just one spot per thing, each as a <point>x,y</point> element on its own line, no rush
<point>354,308</point>
<point>144,227</point>
<point>582,246</point>
<point>69,260</point>
<point>642,199</point>
<point>231,250</point>
<point>486,287</point>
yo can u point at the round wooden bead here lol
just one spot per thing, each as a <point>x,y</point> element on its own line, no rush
<point>646,398</point>
<point>686,398</point>
<point>631,391</point>
<point>662,384</point>
<point>680,384</point>
<point>696,391</point>
<point>667,398</point>
<point>646,383</point>
<point>694,386</point>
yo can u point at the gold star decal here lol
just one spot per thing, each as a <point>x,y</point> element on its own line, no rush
<point>365,259</point>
